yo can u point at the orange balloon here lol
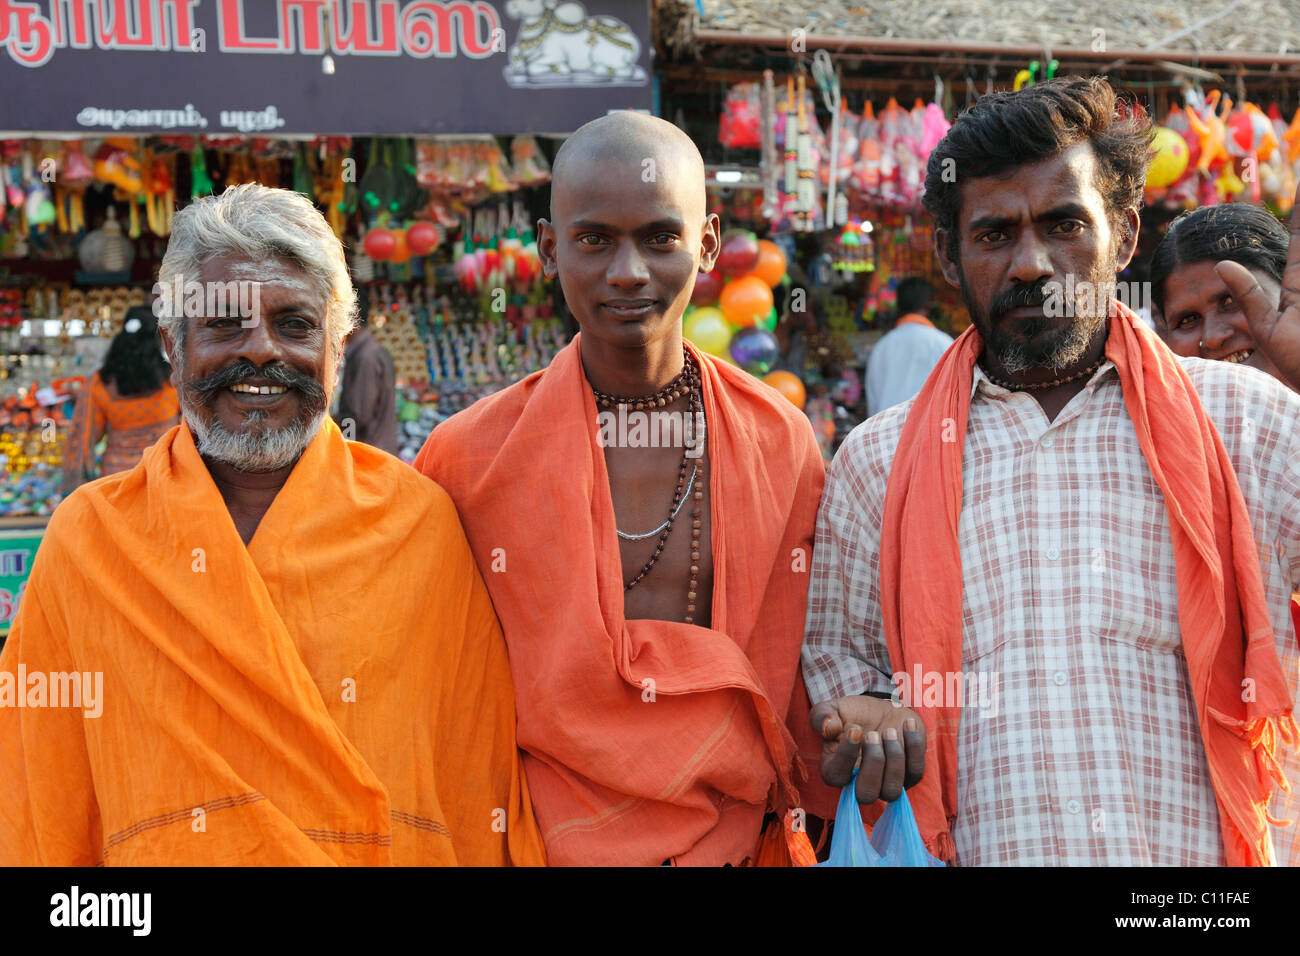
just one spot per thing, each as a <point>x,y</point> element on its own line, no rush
<point>771,263</point>
<point>402,252</point>
<point>746,300</point>
<point>788,384</point>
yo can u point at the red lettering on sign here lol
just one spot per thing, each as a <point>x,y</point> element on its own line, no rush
<point>230,25</point>
<point>116,18</point>
<point>303,20</point>
<point>477,20</point>
<point>182,19</point>
<point>29,36</point>
<point>355,36</point>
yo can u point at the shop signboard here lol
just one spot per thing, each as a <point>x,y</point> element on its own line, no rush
<point>17,552</point>
<point>318,67</point>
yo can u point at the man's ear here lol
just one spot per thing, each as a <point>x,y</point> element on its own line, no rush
<point>710,242</point>
<point>169,346</point>
<point>1129,225</point>
<point>949,267</point>
<point>546,242</point>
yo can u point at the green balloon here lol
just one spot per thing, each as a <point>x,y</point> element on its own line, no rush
<point>769,322</point>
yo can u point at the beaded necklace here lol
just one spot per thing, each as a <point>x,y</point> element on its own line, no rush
<point>686,383</point>
<point>1043,385</point>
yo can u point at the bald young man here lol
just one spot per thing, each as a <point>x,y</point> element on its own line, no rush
<point>643,515</point>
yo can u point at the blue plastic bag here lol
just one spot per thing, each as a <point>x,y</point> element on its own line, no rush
<point>895,839</point>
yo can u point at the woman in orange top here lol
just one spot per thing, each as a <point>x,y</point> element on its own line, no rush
<point>129,398</point>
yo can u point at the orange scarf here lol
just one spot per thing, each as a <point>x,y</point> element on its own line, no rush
<point>644,739</point>
<point>1220,588</point>
<point>913,318</point>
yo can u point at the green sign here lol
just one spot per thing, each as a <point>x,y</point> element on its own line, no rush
<point>17,552</point>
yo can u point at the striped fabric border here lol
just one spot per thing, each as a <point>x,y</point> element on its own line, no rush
<point>421,823</point>
<point>176,816</point>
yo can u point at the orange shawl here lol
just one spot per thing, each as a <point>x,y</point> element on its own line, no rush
<point>1221,605</point>
<point>335,693</point>
<point>643,739</point>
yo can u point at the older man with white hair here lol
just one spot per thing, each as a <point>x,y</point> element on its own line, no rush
<point>281,636</point>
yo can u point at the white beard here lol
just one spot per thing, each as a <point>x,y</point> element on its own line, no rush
<point>256,450</point>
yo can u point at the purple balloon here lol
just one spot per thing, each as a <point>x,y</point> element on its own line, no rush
<point>755,349</point>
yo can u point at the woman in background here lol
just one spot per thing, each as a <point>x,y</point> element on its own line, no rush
<point>130,399</point>
<point>1194,312</point>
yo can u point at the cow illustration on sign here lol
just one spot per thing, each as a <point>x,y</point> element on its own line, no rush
<point>558,44</point>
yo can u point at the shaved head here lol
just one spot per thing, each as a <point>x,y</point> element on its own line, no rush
<point>629,231</point>
<point>637,143</point>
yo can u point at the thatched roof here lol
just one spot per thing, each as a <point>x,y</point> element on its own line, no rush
<point>1240,26</point>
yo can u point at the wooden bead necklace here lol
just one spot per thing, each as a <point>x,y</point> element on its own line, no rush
<point>687,383</point>
<point>1042,385</point>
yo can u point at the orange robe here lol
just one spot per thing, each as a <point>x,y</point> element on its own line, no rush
<point>337,692</point>
<point>644,740</point>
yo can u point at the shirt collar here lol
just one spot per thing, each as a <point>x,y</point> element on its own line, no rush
<point>980,380</point>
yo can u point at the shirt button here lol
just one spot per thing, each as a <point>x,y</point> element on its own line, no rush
<point>1046,440</point>
<point>1074,806</point>
<point>1059,678</point>
<point>1053,554</point>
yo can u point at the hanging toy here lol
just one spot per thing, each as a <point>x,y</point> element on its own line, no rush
<point>790,180</point>
<point>379,244</point>
<point>201,182</point>
<point>1212,130</point>
<point>934,127</point>
<point>467,266</point>
<point>77,174</point>
<point>806,195</point>
<point>159,194</point>
<point>38,205</point>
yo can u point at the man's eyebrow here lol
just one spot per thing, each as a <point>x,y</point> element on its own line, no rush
<point>1067,210</point>
<point>658,225</point>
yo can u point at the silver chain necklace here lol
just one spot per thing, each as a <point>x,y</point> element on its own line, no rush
<point>686,488</point>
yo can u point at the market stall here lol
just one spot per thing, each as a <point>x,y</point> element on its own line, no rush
<point>817,124</point>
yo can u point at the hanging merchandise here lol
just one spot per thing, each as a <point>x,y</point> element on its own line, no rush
<point>805,197</point>
<point>106,250</point>
<point>769,165</point>
<point>76,173</point>
<point>530,166</point>
<point>740,126</point>
<point>790,178</point>
<point>828,81</point>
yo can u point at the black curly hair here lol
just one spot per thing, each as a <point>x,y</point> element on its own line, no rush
<point>1001,131</point>
<point>1242,232</point>
<point>135,362</point>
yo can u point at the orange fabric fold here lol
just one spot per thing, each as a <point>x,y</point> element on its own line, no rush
<point>335,693</point>
<point>645,740</point>
<point>913,318</point>
<point>1223,616</point>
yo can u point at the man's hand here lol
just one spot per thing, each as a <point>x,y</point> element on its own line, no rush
<point>889,739</point>
<point>1275,326</point>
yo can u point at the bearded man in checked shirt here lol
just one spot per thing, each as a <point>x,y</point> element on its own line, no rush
<point>1073,553</point>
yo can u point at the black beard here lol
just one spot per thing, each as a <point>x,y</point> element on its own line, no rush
<point>1066,344</point>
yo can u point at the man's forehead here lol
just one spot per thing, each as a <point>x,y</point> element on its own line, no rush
<point>625,189</point>
<point>1034,188</point>
<point>277,276</point>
